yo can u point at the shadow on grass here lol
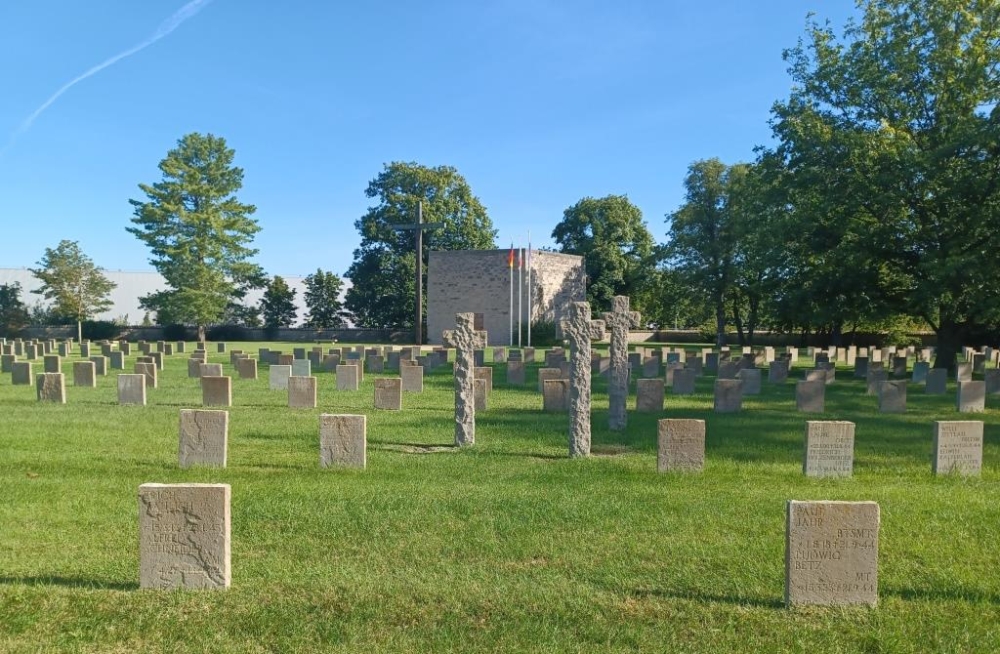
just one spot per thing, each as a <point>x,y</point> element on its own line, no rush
<point>951,594</point>
<point>68,582</point>
<point>737,600</point>
<point>412,448</point>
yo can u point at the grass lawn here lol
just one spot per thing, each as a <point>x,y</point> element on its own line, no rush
<point>505,546</point>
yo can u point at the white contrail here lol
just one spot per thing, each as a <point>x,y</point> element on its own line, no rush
<point>165,28</point>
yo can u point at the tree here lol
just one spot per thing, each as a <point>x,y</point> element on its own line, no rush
<point>278,304</point>
<point>198,233</point>
<point>13,314</point>
<point>902,119</point>
<point>77,288</point>
<point>322,298</point>
<point>610,235</point>
<point>382,274</point>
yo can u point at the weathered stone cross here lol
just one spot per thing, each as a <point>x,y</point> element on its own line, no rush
<point>465,339</point>
<point>580,330</point>
<point>619,321</point>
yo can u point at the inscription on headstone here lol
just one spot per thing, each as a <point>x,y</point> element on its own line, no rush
<point>680,445</point>
<point>342,440</point>
<point>203,437</point>
<point>829,449</point>
<point>958,447</point>
<point>389,393</point>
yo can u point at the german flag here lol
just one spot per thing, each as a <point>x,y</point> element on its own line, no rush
<point>510,257</point>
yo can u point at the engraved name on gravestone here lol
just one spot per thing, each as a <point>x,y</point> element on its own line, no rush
<point>618,321</point>
<point>342,440</point>
<point>184,536</point>
<point>958,447</point>
<point>203,438</point>
<point>389,393</point>
<point>831,553</point>
<point>829,449</point>
<point>680,445</point>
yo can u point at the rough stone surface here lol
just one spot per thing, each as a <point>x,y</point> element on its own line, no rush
<point>680,445</point>
<point>892,396</point>
<point>347,377</point>
<point>829,449</point>
<point>216,391</point>
<point>20,374</point>
<point>831,553</point>
<point>958,447</point>
<point>132,389</point>
<point>649,395</point>
<point>465,339</point>
<point>277,377</point>
<point>684,379</point>
<point>412,379</point>
<point>203,438</point>
<point>545,374</point>
<point>301,392</point>
<point>210,370</point>
<point>389,393</point>
<point>184,536</point>
<point>84,373</point>
<point>149,371</point>
<point>342,440</point>
<point>618,321</point>
<point>51,387</point>
<point>580,330</point>
<point>246,368</point>
<point>555,397</point>
<point>810,396</point>
<point>728,395</point>
<point>971,397</point>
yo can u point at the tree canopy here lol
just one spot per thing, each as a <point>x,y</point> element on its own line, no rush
<point>278,304</point>
<point>198,233</point>
<point>322,298</point>
<point>13,314</point>
<point>73,283</point>
<point>382,274</point>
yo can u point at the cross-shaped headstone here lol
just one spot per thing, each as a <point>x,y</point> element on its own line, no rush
<point>579,329</point>
<point>619,320</point>
<point>465,339</point>
<point>419,228</point>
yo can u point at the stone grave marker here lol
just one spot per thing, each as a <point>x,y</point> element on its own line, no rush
<point>181,347</point>
<point>51,387</point>
<point>343,440</point>
<point>117,360</point>
<point>21,373</point>
<point>937,381</point>
<point>216,391</point>
<point>247,368</point>
<point>892,396</point>
<point>84,374</point>
<point>810,396</point>
<point>899,366</point>
<point>680,445</point>
<point>831,553</point>
<point>618,321</point>
<point>301,367</point>
<point>132,389</point>
<point>148,370</point>
<point>920,369</point>
<point>465,339</point>
<point>481,394</point>
<point>684,379</point>
<point>875,380</point>
<point>486,374</point>
<point>829,449</point>
<point>203,438</point>
<point>301,392</point>
<point>412,379</point>
<point>777,371</point>
<point>751,380</point>
<point>51,363</point>
<point>347,377</point>
<point>971,397</point>
<point>375,364</point>
<point>389,393</point>
<point>958,447</point>
<point>157,359</point>
<point>728,395</point>
<point>728,369</point>
<point>711,362</point>
<point>963,372</point>
<point>651,367</point>
<point>649,395</point>
<point>499,355</point>
<point>861,367</point>
<point>210,370</point>
<point>168,349</point>
<point>184,536</point>
<point>30,351</point>
<point>545,374</point>
<point>194,368</point>
<point>392,361</point>
<point>298,353</point>
<point>7,363</point>
<point>528,354</point>
<point>992,380</point>
<point>100,365</point>
<point>555,395</point>
<point>515,373</point>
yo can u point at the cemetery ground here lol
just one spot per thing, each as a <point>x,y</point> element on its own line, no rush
<point>507,545</point>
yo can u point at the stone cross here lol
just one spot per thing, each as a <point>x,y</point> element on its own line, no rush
<point>580,330</point>
<point>619,320</point>
<point>465,339</point>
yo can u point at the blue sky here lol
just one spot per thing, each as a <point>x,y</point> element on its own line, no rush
<point>537,103</point>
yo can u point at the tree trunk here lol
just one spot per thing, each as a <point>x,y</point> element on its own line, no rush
<point>949,343</point>
<point>720,323</point>
<point>752,316</point>
<point>738,321</point>
<point>79,331</point>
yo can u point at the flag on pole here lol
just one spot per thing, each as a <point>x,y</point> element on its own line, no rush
<point>528,256</point>
<point>510,257</point>
<point>510,266</point>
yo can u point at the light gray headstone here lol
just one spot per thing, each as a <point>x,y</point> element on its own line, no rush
<point>342,441</point>
<point>728,395</point>
<point>649,395</point>
<point>347,377</point>
<point>149,371</point>
<point>412,378</point>
<point>100,365</point>
<point>555,395</point>
<point>277,377</point>
<point>971,397</point>
<point>389,392</point>
<point>829,449</point>
<point>892,396</point>
<point>958,447</point>
<point>184,536</point>
<point>751,380</point>
<point>132,389</point>
<point>84,374</point>
<point>684,379</point>
<point>216,391</point>
<point>963,372</point>
<point>51,387</point>
<point>486,374</point>
<point>465,339</point>
<point>301,368</point>
<point>545,374</point>
<point>680,445</point>
<point>117,360</point>
<point>301,392</point>
<point>810,396</point>
<point>874,381</point>
<point>210,370</point>
<point>247,368</point>
<point>482,395</point>
<point>203,438</point>
<point>831,553</point>
<point>777,371</point>
<point>618,321</point>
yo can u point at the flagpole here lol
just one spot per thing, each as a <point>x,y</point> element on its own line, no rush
<point>520,293</point>
<point>529,288</point>
<point>510,267</point>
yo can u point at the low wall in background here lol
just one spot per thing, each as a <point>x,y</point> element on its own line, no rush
<point>296,334</point>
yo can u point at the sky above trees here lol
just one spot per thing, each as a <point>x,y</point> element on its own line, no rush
<point>536,104</point>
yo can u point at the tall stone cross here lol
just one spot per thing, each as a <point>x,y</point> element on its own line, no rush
<point>580,330</point>
<point>465,339</point>
<point>418,228</point>
<point>619,321</point>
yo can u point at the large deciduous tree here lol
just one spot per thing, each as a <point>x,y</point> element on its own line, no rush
<point>13,314</point>
<point>382,274</point>
<point>76,287</point>
<point>198,233</point>
<point>278,304</point>
<point>616,245</point>
<point>322,296</point>
<point>896,127</point>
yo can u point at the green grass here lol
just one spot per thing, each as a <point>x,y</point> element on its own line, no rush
<point>505,546</point>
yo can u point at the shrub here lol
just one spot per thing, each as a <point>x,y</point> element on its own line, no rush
<point>543,333</point>
<point>175,332</point>
<point>99,330</point>
<point>227,333</point>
